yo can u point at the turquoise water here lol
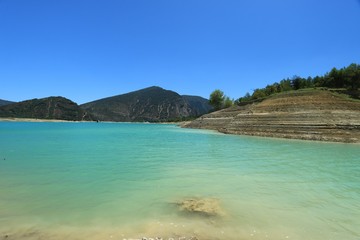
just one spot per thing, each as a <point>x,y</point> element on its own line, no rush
<point>121,180</point>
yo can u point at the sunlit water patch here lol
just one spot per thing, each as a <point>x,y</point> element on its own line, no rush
<point>125,181</point>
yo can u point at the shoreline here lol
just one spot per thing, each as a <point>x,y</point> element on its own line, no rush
<point>184,124</point>
<point>304,137</point>
<point>34,120</point>
<point>9,119</point>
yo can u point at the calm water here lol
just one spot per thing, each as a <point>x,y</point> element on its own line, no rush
<point>120,181</point>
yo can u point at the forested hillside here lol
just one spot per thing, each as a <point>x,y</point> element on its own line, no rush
<point>346,80</point>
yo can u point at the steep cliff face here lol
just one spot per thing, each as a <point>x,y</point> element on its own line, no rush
<point>46,108</point>
<point>150,104</point>
<point>310,115</point>
<point>198,105</point>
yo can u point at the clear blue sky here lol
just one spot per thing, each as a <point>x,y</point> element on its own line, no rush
<point>89,49</point>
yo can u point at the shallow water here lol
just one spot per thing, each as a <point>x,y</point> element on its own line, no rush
<point>121,180</point>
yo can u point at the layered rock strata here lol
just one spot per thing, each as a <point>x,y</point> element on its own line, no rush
<point>308,115</point>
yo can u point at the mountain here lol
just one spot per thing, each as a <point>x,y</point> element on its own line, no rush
<point>151,104</point>
<point>200,105</point>
<point>5,102</point>
<point>303,114</point>
<point>46,108</point>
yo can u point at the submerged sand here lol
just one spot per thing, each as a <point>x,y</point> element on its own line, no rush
<point>202,218</point>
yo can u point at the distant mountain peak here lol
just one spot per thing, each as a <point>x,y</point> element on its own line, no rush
<point>153,88</point>
<point>153,104</point>
<point>149,104</point>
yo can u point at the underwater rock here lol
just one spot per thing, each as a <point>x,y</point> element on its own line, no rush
<point>203,206</point>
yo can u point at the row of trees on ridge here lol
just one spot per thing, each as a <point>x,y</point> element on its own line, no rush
<point>347,77</point>
<point>344,78</point>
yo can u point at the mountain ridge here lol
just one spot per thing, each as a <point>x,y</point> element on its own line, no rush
<point>51,108</point>
<point>153,104</point>
<point>5,102</point>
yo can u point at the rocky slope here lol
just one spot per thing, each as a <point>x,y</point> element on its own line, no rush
<point>46,108</point>
<point>151,104</point>
<point>310,115</point>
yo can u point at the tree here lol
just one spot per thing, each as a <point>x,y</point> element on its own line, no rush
<point>271,89</point>
<point>285,85</point>
<point>228,102</point>
<point>309,83</point>
<point>352,76</point>
<point>245,98</point>
<point>297,82</point>
<point>258,94</point>
<point>334,79</point>
<point>319,81</point>
<point>217,98</point>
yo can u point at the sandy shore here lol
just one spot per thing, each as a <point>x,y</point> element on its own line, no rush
<point>31,120</point>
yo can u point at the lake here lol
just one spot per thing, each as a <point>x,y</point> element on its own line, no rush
<point>125,180</point>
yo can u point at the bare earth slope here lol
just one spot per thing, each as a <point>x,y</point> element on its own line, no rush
<point>309,115</point>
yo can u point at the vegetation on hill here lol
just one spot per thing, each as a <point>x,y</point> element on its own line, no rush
<point>152,104</point>
<point>294,108</point>
<point>347,78</point>
<point>46,108</point>
<point>5,102</point>
<point>219,100</point>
